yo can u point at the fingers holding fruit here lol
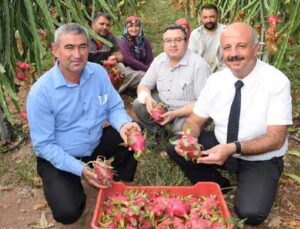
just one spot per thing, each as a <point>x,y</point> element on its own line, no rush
<point>188,147</point>
<point>101,175</point>
<point>127,127</point>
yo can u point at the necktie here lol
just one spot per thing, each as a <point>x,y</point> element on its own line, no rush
<point>234,115</point>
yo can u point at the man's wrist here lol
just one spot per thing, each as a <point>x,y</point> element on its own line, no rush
<point>142,96</point>
<point>238,147</point>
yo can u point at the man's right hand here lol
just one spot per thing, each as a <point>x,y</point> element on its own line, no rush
<point>91,178</point>
<point>150,103</point>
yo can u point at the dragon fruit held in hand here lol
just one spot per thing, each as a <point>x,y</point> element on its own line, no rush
<point>115,75</point>
<point>137,142</point>
<point>157,111</point>
<point>104,171</point>
<point>188,146</point>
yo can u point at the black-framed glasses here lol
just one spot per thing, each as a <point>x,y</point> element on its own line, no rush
<point>175,40</point>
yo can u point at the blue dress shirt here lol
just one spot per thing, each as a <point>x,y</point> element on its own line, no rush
<point>66,120</point>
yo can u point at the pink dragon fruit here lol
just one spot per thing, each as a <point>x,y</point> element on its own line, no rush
<point>157,112</point>
<point>137,142</point>
<point>189,146</point>
<point>176,207</point>
<point>104,171</point>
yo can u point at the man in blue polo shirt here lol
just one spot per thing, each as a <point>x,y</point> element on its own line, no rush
<point>66,109</point>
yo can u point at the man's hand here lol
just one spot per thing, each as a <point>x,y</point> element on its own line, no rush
<point>218,154</point>
<point>91,178</point>
<point>112,58</point>
<point>126,127</point>
<point>168,117</point>
<point>150,103</point>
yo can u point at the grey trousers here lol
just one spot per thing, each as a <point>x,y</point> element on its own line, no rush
<point>146,121</point>
<point>132,78</point>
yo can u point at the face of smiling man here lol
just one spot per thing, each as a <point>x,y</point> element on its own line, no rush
<point>72,54</point>
<point>175,44</point>
<point>239,49</point>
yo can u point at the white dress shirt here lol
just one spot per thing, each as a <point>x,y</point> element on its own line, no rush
<point>266,100</point>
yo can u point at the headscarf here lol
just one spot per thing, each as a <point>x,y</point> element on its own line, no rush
<point>184,22</point>
<point>136,43</point>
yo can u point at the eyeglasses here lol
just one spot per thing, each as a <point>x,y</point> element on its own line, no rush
<point>176,40</point>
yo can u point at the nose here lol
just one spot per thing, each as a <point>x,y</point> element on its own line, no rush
<point>173,43</point>
<point>77,52</point>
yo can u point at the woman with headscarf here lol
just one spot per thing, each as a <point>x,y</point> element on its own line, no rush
<point>135,47</point>
<point>185,24</point>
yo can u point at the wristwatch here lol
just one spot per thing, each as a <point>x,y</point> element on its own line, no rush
<point>238,147</point>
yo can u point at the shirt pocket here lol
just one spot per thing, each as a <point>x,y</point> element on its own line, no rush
<point>99,105</point>
<point>186,89</point>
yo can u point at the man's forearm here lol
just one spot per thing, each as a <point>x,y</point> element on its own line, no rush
<point>185,111</point>
<point>272,140</point>
<point>192,126</point>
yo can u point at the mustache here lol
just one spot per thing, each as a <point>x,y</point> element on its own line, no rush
<point>235,58</point>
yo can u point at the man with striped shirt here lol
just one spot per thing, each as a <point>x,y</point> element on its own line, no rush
<point>178,75</point>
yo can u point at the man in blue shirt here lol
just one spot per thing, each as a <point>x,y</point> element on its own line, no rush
<point>66,109</point>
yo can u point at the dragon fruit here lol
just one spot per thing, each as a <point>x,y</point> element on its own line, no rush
<point>104,171</point>
<point>136,142</point>
<point>160,210</point>
<point>273,19</point>
<point>189,147</point>
<point>115,75</point>
<point>176,207</point>
<point>20,75</point>
<point>22,65</point>
<point>157,112</point>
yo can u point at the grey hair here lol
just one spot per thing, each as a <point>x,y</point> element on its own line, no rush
<point>73,28</point>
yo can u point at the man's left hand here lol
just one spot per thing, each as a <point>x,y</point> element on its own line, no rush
<point>217,155</point>
<point>112,58</point>
<point>126,127</point>
<point>167,117</point>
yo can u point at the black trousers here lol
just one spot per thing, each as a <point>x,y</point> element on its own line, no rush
<point>257,180</point>
<point>64,192</point>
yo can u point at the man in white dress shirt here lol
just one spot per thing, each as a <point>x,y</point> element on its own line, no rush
<point>265,113</point>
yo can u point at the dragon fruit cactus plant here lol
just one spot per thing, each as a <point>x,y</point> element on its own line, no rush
<point>137,142</point>
<point>188,146</point>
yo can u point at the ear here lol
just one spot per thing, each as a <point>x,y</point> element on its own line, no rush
<point>54,49</point>
<point>256,48</point>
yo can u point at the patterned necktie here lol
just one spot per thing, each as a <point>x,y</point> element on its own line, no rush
<point>234,115</point>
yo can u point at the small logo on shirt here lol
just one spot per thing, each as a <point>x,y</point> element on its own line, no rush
<point>102,99</point>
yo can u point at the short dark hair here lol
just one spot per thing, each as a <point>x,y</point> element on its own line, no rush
<point>173,27</point>
<point>209,6</point>
<point>102,14</point>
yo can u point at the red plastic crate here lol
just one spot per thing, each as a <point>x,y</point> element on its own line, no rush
<point>199,189</point>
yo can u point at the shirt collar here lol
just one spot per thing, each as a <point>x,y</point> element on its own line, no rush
<point>59,79</point>
<point>249,80</point>
<point>183,60</point>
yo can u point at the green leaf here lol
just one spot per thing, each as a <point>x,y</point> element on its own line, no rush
<point>2,69</point>
<point>293,176</point>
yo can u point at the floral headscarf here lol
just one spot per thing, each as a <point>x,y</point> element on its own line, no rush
<point>184,22</point>
<point>136,43</point>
